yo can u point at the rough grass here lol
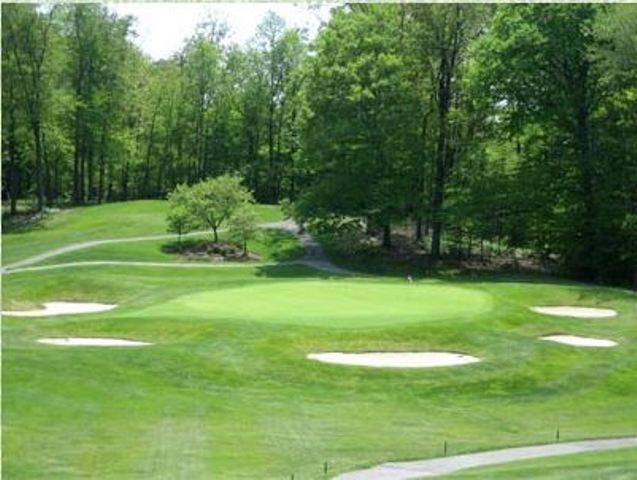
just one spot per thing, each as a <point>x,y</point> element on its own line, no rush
<point>226,392</point>
<point>268,244</point>
<point>112,220</point>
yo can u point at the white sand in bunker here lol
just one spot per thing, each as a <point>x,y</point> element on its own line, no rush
<point>577,312</point>
<point>92,342</point>
<point>576,341</point>
<point>395,359</point>
<point>61,308</point>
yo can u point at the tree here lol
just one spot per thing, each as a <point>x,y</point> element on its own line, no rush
<point>359,137</point>
<point>275,60</point>
<point>243,225</point>
<point>26,36</point>
<point>443,33</point>
<point>214,201</point>
<point>180,218</point>
<point>99,54</point>
<point>179,221</point>
<point>514,124</point>
<point>536,63</point>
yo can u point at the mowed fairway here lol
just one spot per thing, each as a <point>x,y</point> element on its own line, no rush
<point>226,390</point>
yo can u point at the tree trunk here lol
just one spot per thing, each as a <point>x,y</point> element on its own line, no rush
<point>124,182</point>
<point>39,167</point>
<point>57,179</point>
<point>438,194</point>
<point>102,172</point>
<point>149,151</point>
<point>271,151</point>
<point>13,164</point>
<point>77,160</point>
<point>48,187</point>
<point>82,175</point>
<point>387,236</point>
<point>200,141</point>
<point>419,229</point>
<point>444,102</point>
<point>588,230</point>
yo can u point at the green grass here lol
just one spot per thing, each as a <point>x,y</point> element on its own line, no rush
<point>268,244</point>
<point>339,303</point>
<point>615,464</point>
<point>112,220</point>
<point>226,391</point>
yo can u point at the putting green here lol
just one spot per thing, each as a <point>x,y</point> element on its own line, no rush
<point>333,303</point>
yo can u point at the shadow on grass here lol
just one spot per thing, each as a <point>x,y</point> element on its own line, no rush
<point>268,245</point>
<point>293,271</point>
<point>450,271</point>
<point>282,246</point>
<point>24,222</point>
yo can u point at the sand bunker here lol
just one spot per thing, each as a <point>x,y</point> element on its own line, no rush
<point>61,308</point>
<point>577,312</point>
<point>92,342</point>
<point>395,359</point>
<point>576,341</point>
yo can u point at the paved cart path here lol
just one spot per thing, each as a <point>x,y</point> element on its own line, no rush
<point>89,244</point>
<point>314,256</point>
<point>440,466</point>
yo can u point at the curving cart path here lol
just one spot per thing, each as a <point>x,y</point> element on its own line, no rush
<point>314,256</point>
<point>82,245</point>
<point>441,466</point>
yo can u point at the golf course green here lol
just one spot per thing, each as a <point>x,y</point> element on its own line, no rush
<point>225,389</point>
<point>336,303</point>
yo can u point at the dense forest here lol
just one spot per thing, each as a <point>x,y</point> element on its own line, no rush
<point>514,124</point>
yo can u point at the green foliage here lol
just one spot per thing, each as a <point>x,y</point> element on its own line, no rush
<point>549,74</point>
<point>360,139</point>
<point>179,220</point>
<point>211,202</point>
<point>512,124</point>
<point>242,225</point>
<point>216,200</point>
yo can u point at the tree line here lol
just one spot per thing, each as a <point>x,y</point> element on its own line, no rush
<point>88,118</point>
<point>514,124</point>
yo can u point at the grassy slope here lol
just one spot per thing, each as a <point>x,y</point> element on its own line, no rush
<point>269,244</point>
<point>617,464</point>
<point>221,396</point>
<point>113,220</point>
<point>237,398</point>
